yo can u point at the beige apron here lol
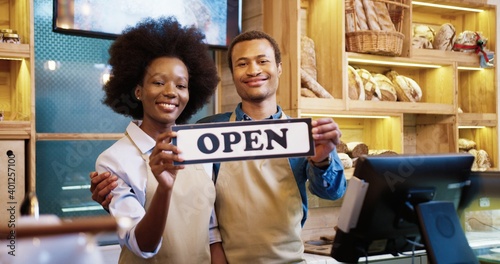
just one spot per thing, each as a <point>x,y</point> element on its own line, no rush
<point>259,209</point>
<point>186,237</point>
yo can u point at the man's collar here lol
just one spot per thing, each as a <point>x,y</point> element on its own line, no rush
<point>240,115</point>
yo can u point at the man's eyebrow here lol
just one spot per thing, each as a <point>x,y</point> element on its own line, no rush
<point>257,57</point>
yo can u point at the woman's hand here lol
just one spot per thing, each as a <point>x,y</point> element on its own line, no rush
<point>162,160</point>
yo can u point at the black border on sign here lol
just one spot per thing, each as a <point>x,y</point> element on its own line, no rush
<point>247,123</point>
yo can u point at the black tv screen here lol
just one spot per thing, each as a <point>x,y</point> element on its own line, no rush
<point>220,20</point>
<point>386,220</point>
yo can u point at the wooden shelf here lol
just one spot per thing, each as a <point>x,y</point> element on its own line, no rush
<point>477,119</point>
<point>401,107</point>
<point>462,58</point>
<point>9,51</point>
<point>14,130</point>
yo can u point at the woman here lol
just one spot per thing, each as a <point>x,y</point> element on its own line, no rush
<point>162,74</point>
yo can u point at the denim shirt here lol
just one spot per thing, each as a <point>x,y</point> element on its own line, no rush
<point>328,183</point>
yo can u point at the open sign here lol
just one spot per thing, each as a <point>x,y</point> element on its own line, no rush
<point>226,141</point>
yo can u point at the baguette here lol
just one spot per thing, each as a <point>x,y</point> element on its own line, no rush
<point>371,15</point>
<point>308,81</point>
<point>361,22</point>
<point>384,18</point>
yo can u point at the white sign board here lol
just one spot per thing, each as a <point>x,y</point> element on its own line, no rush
<point>229,141</point>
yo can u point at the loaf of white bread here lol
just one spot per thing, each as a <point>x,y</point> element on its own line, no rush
<point>355,84</point>
<point>372,91</point>
<point>387,89</point>
<point>407,90</point>
<point>445,37</point>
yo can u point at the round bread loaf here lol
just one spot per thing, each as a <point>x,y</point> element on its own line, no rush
<point>386,152</point>
<point>346,160</point>
<point>420,42</point>
<point>355,84</point>
<point>357,149</point>
<point>386,87</point>
<point>466,144</point>
<point>372,92</point>
<point>445,37</point>
<point>424,31</point>
<point>342,147</point>
<point>407,89</point>
<point>483,160</point>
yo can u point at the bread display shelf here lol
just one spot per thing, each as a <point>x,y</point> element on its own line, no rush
<point>401,107</point>
<point>14,51</point>
<point>328,106</point>
<point>477,119</point>
<point>427,61</point>
<point>464,59</point>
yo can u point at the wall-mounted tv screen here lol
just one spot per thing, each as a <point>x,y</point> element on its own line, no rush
<point>220,20</point>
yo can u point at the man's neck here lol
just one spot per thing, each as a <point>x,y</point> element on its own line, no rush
<point>259,110</point>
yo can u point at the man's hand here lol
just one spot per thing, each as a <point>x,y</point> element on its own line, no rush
<point>326,135</point>
<point>101,186</point>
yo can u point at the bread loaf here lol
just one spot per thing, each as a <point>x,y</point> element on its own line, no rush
<point>350,22</point>
<point>356,149</point>
<point>372,92</point>
<point>420,42</point>
<point>386,87</point>
<point>361,22</point>
<point>355,85</point>
<point>407,90</point>
<point>483,160</point>
<point>384,18</point>
<point>424,31</point>
<point>309,82</point>
<point>445,37</point>
<point>346,160</point>
<point>306,92</point>
<point>466,144</point>
<point>371,15</point>
<point>382,152</point>
<point>308,56</point>
<point>342,147</point>
<point>467,41</point>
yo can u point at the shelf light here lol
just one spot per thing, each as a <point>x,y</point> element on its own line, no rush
<point>470,68</point>
<point>343,116</point>
<point>469,127</point>
<point>76,187</point>
<point>82,209</point>
<point>394,63</point>
<point>447,6</point>
<point>11,58</point>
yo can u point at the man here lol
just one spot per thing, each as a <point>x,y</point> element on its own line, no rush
<point>261,205</point>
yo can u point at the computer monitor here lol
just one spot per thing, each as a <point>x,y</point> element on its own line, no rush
<point>378,214</point>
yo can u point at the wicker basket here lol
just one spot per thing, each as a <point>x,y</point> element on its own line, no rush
<point>387,43</point>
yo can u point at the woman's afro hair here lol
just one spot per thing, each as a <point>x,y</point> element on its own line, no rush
<point>133,51</point>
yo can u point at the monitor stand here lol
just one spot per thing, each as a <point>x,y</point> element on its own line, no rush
<point>442,233</point>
